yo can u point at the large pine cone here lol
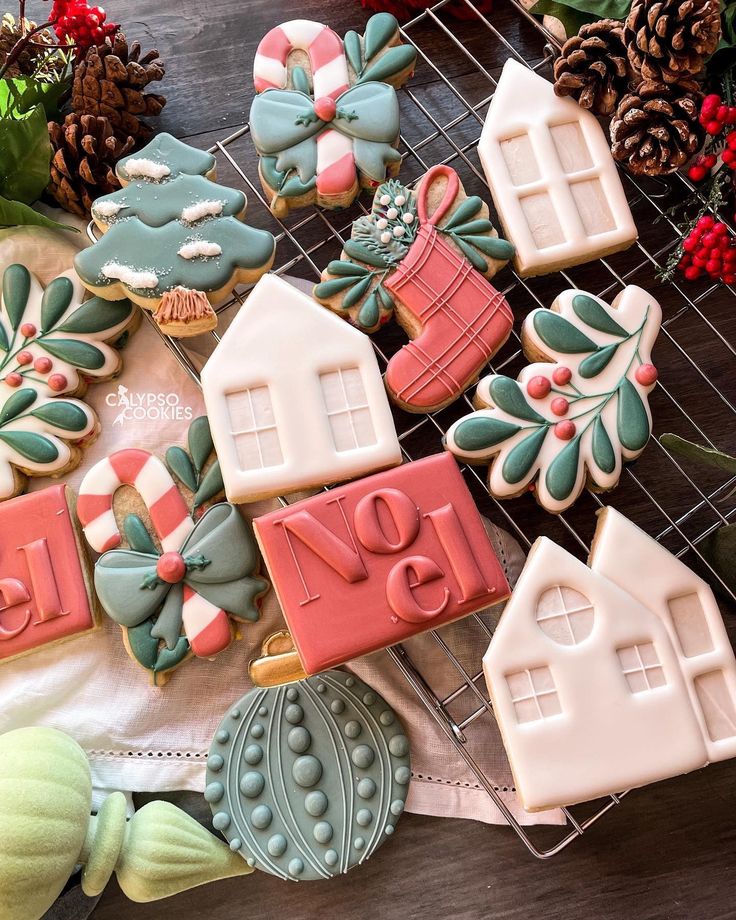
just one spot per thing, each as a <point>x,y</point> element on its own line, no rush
<point>669,39</point>
<point>593,67</point>
<point>85,151</point>
<point>656,130</point>
<point>110,81</point>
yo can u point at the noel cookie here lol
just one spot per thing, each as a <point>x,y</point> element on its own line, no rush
<point>295,398</point>
<point>366,565</point>
<point>424,255</point>
<point>591,667</point>
<point>45,578</point>
<point>307,781</point>
<point>51,346</point>
<point>325,120</point>
<point>573,420</point>
<point>554,183</point>
<point>173,240</point>
<point>174,593</point>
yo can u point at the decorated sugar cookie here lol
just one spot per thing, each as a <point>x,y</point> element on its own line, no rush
<point>51,346</point>
<point>574,419</point>
<point>306,781</point>
<point>175,594</point>
<point>425,254</point>
<point>173,240</point>
<point>325,121</point>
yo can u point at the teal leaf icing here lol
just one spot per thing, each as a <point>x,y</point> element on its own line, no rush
<point>96,315</point>
<point>199,441</point>
<point>4,340</point>
<point>16,288</point>
<point>396,60</point>
<point>602,448</point>
<point>172,153</point>
<point>210,485</point>
<point>181,466</point>
<point>508,395</point>
<point>137,535</point>
<point>308,779</point>
<point>598,361</point>
<point>300,80</point>
<point>492,246</point>
<point>560,335</point>
<point>74,351</point>
<point>595,315</point>
<point>479,432</point>
<point>475,259</point>
<point>324,290</point>
<point>31,446</point>
<point>474,226</point>
<point>59,413</point>
<point>17,403</point>
<point>370,313</point>
<point>522,456</point>
<point>632,421</point>
<point>359,250</point>
<point>344,268</point>
<point>357,292</point>
<point>353,51</point>
<point>379,31</point>
<point>293,187</point>
<point>562,472</point>
<point>385,298</point>
<point>55,302</point>
<point>464,212</point>
<point>146,650</point>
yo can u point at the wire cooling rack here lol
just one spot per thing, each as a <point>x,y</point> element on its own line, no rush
<point>443,108</point>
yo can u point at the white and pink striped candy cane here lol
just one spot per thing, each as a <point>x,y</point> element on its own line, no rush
<point>335,161</point>
<point>207,626</point>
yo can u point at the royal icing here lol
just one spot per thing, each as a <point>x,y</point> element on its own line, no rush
<point>553,180</point>
<point>307,781</point>
<point>574,420</point>
<point>141,167</point>
<point>285,417</point>
<point>43,591</point>
<point>200,249</point>
<point>320,134</point>
<point>591,667</point>
<point>193,213</point>
<point>139,280</point>
<point>430,267</point>
<point>51,344</point>
<point>369,564</point>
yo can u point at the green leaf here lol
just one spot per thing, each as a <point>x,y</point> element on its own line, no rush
<point>75,352</point>
<point>353,51</point>
<point>293,187</point>
<point>96,315</point>
<point>356,293</point>
<point>603,452</point>
<point>396,60</point>
<point>562,473</point>
<point>492,246</point>
<point>632,421</point>
<point>385,298</point>
<point>25,155</point>
<point>300,81</point>
<point>32,446</point>
<point>370,313</point>
<point>343,269</point>
<point>170,658</point>
<point>473,226</point>
<point>210,486</point>
<point>16,289</point>
<point>719,551</point>
<point>590,311</point>
<point>327,289</point>
<point>17,404</point>
<point>180,464</point>
<point>358,251</point>
<point>475,259</point>
<point>17,214</point>
<point>598,361</point>
<point>145,648</point>
<point>508,395</point>
<point>199,440</point>
<point>62,414</point>
<point>715,458</point>
<point>465,211</point>
<point>137,535</point>
<point>379,31</point>
<point>4,341</point>
<point>575,13</point>
<point>480,432</point>
<point>521,457</point>
<point>559,334</point>
<point>55,302</point>
<point>19,95</point>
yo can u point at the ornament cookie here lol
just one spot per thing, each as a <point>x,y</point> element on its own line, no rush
<point>325,120</point>
<point>573,420</point>
<point>369,564</point>
<point>51,346</point>
<point>173,241</point>
<point>306,781</point>
<point>289,415</point>
<point>423,254</point>
<point>591,666</point>
<point>197,575</point>
<point>554,183</point>
<point>45,578</point>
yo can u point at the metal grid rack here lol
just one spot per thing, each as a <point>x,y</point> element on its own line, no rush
<point>441,122</point>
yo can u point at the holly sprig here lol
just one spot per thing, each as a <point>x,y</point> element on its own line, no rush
<point>191,469</point>
<point>373,57</point>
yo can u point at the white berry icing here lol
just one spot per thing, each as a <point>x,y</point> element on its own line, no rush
<point>129,276</point>
<point>196,212</point>
<point>141,167</point>
<point>198,249</point>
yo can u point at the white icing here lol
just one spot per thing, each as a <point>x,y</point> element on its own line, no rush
<point>143,168</point>
<point>108,208</point>
<point>382,223</point>
<point>408,218</point>
<point>392,213</point>
<point>385,199</point>
<point>129,276</point>
<point>400,200</point>
<point>196,212</point>
<point>386,236</point>
<point>398,231</point>
<point>200,249</point>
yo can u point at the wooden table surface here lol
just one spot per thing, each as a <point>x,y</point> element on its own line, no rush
<point>669,851</point>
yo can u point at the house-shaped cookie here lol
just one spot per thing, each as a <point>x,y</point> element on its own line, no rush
<point>553,180</point>
<point>295,398</point>
<point>610,675</point>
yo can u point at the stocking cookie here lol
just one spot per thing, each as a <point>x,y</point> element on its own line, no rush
<point>176,595</point>
<point>173,241</point>
<point>424,254</point>
<point>576,418</point>
<point>326,118</point>
<point>51,346</point>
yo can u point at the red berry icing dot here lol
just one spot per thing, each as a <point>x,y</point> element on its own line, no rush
<point>562,376</point>
<point>28,330</point>
<point>24,357</point>
<point>565,430</point>
<point>171,568</point>
<point>538,387</point>
<point>559,405</point>
<point>43,365</point>
<point>57,382</point>
<point>14,379</point>
<point>325,108</point>
<point>646,375</point>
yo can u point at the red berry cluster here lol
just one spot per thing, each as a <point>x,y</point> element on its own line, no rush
<point>709,250</point>
<point>81,24</point>
<point>715,115</point>
<point>42,364</point>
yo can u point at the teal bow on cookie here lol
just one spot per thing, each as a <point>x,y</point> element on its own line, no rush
<point>219,555</point>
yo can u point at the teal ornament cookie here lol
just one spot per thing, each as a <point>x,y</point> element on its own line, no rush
<point>307,780</point>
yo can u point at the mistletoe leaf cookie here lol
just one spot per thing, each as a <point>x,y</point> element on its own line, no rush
<point>51,346</point>
<point>425,254</point>
<point>574,419</point>
<point>173,240</point>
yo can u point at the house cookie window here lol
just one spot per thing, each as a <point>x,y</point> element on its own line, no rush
<point>641,667</point>
<point>565,615</point>
<point>253,428</point>
<point>347,408</point>
<point>533,694</point>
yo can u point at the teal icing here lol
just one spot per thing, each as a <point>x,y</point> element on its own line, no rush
<point>17,403</point>
<point>479,432</point>
<point>560,335</point>
<point>379,31</point>
<point>598,361</point>
<point>30,446</point>
<point>522,456</point>
<point>16,289</point>
<point>507,395</point>
<point>55,301</point>
<point>562,473</point>
<point>62,415</point>
<point>632,421</point>
<point>167,150</point>
<point>396,60</point>
<point>602,448</point>
<point>353,51</point>
<point>596,315</point>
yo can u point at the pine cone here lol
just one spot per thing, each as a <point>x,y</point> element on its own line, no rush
<point>110,79</point>
<point>33,60</point>
<point>655,129</point>
<point>593,67</point>
<point>85,151</point>
<point>669,39</point>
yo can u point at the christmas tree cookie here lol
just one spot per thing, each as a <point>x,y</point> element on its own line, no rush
<point>51,346</point>
<point>574,419</point>
<point>173,240</point>
<point>425,254</point>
